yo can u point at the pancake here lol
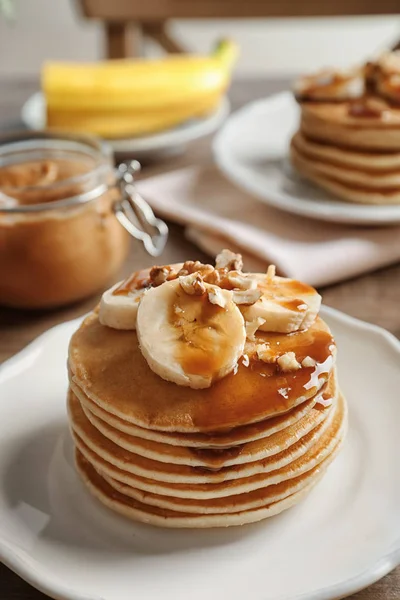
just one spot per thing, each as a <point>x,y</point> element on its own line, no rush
<point>369,162</point>
<point>245,425</point>
<point>203,457</point>
<point>233,437</point>
<point>352,192</point>
<point>108,366</point>
<point>385,182</point>
<point>173,473</point>
<point>133,509</point>
<point>228,504</point>
<point>280,470</point>
<point>332,123</point>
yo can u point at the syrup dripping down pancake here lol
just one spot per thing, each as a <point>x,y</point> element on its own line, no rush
<point>227,439</point>
<point>172,473</point>
<point>107,365</point>
<point>198,457</point>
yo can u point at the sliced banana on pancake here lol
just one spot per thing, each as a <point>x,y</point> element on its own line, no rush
<point>185,336</point>
<point>119,311</point>
<point>119,304</point>
<point>285,306</point>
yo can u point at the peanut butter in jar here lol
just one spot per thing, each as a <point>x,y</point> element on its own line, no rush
<point>60,238</point>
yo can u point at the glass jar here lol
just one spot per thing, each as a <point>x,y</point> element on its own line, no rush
<point>65,219</point>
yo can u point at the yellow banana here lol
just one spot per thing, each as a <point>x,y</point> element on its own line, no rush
<point>138,84</point>
<point>124,123</point>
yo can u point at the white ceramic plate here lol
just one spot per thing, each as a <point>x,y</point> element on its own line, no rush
<point>341,538</point>
<point>252,150</point>
<point>33,115</point>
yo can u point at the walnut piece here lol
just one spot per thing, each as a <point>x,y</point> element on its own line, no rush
<point>159,275</point>
<point>241,281</point>
<point>265,353</point>
<point>229,260</point>
<point>213,276</point>
<point>192,284</point>
<point>215,296</point>
<point>247,297</point>
<point>189,267</point>
<point>288,362</point>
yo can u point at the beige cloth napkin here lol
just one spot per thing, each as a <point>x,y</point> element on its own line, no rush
<point>218,215</point>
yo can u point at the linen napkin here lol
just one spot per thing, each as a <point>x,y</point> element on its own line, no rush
<point>219,215</point>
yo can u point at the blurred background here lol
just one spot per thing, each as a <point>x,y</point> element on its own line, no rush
<point>53,29</point>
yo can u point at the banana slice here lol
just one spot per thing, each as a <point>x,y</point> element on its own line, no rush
<point>286,305</point>
<point>187,339</point>
<point>119,304</point>
<point>119,311</point>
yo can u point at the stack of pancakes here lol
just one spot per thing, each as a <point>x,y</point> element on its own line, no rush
<point>248,447</point>
<point>349,137</point>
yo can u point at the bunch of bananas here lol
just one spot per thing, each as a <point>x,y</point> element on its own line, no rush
<point>121,98</point>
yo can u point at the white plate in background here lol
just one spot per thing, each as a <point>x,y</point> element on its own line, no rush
<point>33,115</point>
<point>252,151</point>
<point>344,536</point>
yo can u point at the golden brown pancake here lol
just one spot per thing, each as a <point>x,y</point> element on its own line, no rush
<point>349,185</point>
<point>331,123</point>
<point>160,471</point>
<point>371,182</point>
<point>108,366</point>
<point>133,509</point>
<point>200,457</point>
<point>371,163</point>
<point>227,504</point>
<point>233,437</point>
<point>280,470</point>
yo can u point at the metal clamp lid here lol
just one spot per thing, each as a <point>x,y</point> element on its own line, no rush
<point>135,214</point>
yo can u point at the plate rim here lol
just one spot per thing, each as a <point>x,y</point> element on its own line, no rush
<point>37,576</point>
<point>186,132</point>
<point>353,213</point>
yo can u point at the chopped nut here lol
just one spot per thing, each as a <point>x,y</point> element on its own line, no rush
<point>265,353</point>
<point>229,260</point>
<point>190,267</point>
<point>159,275</point>
<point>216,296</point>
<point>213,277</point>
<point>245,360</point>
<point>271,272</point>
<point>253,326</point>
<point>192,284</point>
<point>246,296</point>
<point>308,362</point>
<point>205,270</point>
<point>241,281</point>
<point>284,392</point>
<point>288,362</point>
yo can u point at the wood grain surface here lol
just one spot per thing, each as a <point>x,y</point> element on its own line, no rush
<point>374,297</point>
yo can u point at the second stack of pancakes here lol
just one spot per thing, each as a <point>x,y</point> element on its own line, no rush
<point>349,137</point>
<point>247,448</point>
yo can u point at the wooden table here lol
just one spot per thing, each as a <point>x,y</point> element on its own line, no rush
<point>374,297</point>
